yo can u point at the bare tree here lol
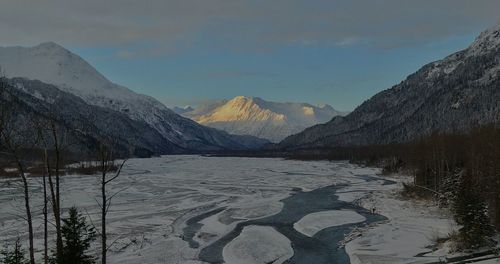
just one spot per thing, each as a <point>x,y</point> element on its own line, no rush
<point>55,190</point>
<point>106,165</point>
<point>14,138</point>
<point>45,212</point>
<point>51,177</point>
<point>18,136</point>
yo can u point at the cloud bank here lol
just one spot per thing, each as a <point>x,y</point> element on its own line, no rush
<point>153,27</point>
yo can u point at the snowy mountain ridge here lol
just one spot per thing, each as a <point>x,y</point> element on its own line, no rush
<point>52,64</point>
<point>244,115</point>
<point>451,95</point>
<point>487,41</point>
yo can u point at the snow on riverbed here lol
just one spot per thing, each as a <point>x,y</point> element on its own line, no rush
<point>221,223</point>
<point>311,224</point>
<point>258,245</point>
<point>411,230</point>
<point>158,195</point>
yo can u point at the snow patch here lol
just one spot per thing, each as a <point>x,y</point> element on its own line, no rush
<point>311,224</point>
<point>258,245</point>
<point>411,229</point>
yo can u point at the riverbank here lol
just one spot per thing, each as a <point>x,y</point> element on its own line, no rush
<point>409,235</point>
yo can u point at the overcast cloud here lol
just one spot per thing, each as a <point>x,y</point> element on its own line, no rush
<point>158,26</point>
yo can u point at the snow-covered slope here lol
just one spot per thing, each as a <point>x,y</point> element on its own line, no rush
<point>451,95</point>
<point>83,124</point>
<point>254,116</point>
<point>53,64</point>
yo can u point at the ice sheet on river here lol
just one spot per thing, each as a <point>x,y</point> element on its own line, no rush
<point>258,245</point>
<point>311,224</point>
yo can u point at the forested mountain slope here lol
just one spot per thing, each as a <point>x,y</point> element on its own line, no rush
<point>451,95</point>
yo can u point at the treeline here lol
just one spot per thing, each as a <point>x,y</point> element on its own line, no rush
<point>461,171</point>
<point>464,171</point>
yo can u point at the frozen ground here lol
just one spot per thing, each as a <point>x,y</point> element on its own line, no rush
<point>170,208</point>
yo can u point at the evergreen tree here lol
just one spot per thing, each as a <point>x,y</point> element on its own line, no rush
<point>450,188</point>
<point>471,212</point>
<point>77,238</point>
<point>15,255</point>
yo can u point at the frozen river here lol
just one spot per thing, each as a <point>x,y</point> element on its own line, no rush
<point>192,209</point>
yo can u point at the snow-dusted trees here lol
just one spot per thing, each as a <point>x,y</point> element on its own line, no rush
<point>483,166</point>
<point>465,170</point>
<point>77,238</point>
<point>461,170</point>
<point>470,210</point>
<point>14,255</point>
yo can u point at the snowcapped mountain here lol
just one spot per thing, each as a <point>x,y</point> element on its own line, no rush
<point>182,110</point>
<point>254,116</point>
<point>83,124</point>
<point>53,64</point>
<point>450,95</point>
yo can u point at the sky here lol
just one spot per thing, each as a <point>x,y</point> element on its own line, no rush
<point>187,52</point>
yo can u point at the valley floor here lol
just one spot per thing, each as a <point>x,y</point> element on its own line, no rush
<point>191,209</point>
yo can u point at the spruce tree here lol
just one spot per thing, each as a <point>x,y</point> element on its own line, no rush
<point>16,255</point>
<point>471,212</point>
<point>450,188</point>
<point>77,237</point>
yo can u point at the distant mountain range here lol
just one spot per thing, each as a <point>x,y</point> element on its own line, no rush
<point>64,78</point>
<point>254,116</point>
<point>182,110</point>
<point>450,95</point>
